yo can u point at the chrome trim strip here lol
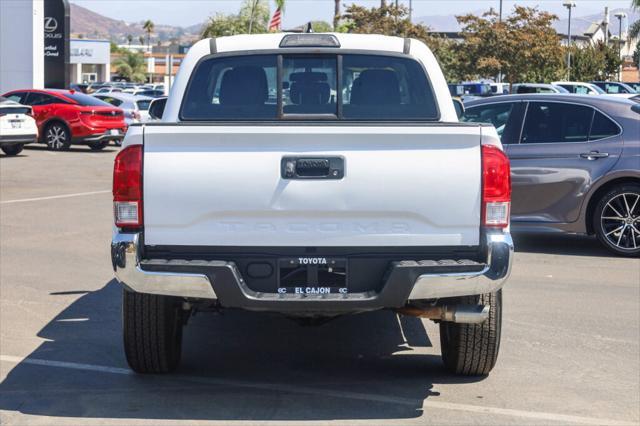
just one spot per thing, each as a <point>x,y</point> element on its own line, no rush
<point>125,257</point>
<point>499,246</point>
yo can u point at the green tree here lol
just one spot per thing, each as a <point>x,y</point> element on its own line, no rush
<point>524,47</point>
<point>141,39</point>
<point>131,66</point>
<point>129,39</point>
<point>148,27</point>
<point>321,26</point>
<point>597,62</point>
<point>224,25</point>
<point>634,29</point>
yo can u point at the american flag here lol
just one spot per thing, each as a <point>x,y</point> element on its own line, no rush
<point>274,25</point>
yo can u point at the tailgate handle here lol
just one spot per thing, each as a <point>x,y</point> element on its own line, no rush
<point>312,167</point>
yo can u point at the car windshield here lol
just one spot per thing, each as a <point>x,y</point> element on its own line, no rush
<point>85,100</point>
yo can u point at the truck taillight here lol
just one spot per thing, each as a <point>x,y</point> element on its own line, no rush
<point>127,188</point>
<point>496,187</point>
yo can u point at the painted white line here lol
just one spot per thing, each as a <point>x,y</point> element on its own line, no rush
<point>426,404</point>
<point>55,197</point>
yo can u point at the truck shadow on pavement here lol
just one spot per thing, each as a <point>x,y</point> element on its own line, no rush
<point>236,366</point>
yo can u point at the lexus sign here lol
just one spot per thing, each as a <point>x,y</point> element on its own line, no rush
<point>56,44</point>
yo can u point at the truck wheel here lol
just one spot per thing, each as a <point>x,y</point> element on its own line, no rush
<point>12,149</point>
<point>152,328</point>
<point>98,146</point>
<point>57,137</point>
<point>472,349</point>
<point>616,220</point>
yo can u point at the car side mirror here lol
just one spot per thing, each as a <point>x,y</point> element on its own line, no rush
<point>459,106</point>
<point>156,108</point>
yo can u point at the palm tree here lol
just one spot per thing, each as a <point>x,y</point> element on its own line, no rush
<point>141,39</point>
<point>131,66</point>
<point>634,29</point>
<point>336,14</point>
<point>148,26</point>
<point>129,39</point>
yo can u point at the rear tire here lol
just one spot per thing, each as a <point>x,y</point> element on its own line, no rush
<point>616,220</point>
<point>57,136</point>
<point>98,146</point>
<point>472,349</point>
<point>12,150</point>
<point>152,328</point>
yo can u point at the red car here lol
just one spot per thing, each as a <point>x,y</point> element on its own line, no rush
<point>66,116</point>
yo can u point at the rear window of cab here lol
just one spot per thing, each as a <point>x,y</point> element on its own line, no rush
<point>272,87</point>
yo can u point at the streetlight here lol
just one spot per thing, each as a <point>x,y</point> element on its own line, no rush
<point>620,16</point>
<point>569,5</point>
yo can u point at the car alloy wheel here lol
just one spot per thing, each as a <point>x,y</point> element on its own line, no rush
<point>56,137</point>
<point>620,221</point>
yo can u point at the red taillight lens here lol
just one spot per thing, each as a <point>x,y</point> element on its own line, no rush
<point>127,188</point>
<point>496,187</point>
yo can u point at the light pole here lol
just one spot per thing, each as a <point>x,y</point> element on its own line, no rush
<point>620,16</point>
<point>500,21</point>
<point>569,5</point>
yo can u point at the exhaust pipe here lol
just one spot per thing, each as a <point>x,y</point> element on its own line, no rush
<point>463,314</point>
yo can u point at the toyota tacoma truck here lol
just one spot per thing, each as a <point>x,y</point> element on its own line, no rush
<point>312,175</point>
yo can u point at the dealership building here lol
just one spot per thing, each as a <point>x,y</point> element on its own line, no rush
<point>90,60</point>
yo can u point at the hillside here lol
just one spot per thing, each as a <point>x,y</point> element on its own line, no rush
<point>93,25</point>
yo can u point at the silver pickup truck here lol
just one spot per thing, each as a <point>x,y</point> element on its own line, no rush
<point>314,175</point>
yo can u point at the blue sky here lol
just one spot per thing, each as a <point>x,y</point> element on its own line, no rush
<point>189,12</point>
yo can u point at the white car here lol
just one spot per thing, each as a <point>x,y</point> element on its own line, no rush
<point>136,108</point>
<point>519,88</point>
<point>315,175</point>
<point>580,88</point>
<point>105,90</point>
<point>17,126</point>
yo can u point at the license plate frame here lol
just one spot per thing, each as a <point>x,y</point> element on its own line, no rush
<point>313,276</point>
<point>114,132</point>
<point>16,124</point>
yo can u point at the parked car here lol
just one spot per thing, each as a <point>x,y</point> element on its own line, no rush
<point>144,92</point>
<point>108,89</point>
<point>17,126</point>
<point>635,86</point>
<point>65,117</point>
<point>580,88</point>
<point>575,164</point>
<point>312,220</point>
<point>520,88</point>
<point>616,88</point>
<point>79,87</point>
<point>135,108</point>
<point>156,108</point>
<point>500,88</point>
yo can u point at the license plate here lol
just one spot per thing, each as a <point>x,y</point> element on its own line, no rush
<point>16,124</point>
<point>114,132</point>
<point>312,276</point>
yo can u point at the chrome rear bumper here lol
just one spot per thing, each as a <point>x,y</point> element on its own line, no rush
<point>406,280</point>
<point>499,254</point>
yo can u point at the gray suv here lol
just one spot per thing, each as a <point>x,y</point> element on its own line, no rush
<point>575,163</point>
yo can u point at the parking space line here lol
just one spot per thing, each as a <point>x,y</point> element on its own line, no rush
<point>55,197</point>
<point>426,404</point>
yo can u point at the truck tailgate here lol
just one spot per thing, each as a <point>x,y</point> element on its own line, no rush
<point>219,185</point>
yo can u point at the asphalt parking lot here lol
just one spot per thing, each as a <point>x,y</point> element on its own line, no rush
<point>570,349</point>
